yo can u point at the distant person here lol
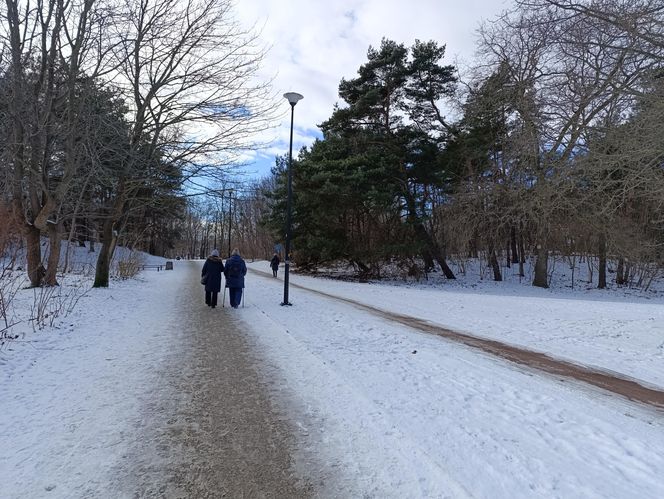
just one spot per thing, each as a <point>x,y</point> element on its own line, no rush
<point>235,271</point>
<point>212,269</point>
<point>274,263</point>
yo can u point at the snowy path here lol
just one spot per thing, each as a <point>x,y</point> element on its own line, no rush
<point>212,431</point>
<point>156,395</point>
<point>446,421</point>
<point>124,401</point>
<point>611,381</point>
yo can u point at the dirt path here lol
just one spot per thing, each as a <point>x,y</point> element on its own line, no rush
<point>613,382</point>
<point>209,428</point>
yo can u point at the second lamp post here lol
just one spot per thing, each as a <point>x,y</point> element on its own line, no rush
<point>293,99</point>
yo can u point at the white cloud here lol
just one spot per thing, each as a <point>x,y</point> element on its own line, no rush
<point>316,43</point>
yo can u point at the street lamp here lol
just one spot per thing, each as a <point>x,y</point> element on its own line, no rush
<point>293,99</point>
<point>230,219</point>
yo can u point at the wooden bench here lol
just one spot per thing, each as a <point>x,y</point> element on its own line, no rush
<point>156,267</point>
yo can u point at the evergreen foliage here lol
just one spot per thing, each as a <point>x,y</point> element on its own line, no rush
<point>364,192</point>
<point>557,151</point>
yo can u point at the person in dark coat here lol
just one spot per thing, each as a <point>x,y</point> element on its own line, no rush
<point>274,263</point>
<point>235,270</point>
<point>213,267</point>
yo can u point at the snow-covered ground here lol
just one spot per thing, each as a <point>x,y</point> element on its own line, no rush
<point>70,395</point>
<point>612,330</point>
<point>384,410</point>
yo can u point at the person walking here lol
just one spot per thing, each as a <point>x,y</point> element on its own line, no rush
<point>212,269</point>
<point>235,270</point>
<point>274,263</point>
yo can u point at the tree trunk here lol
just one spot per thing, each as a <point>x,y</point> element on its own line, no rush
<point>626,273</point>
<point>428,259</point>
<point>91,232</point>
<point>364,270</point>
<point>423,235</point>
<point>81,234</point>
<point>103,269</point>
<point>541,265</point>
<point>70,238</point>
<point>446,269</point>
<point>620,276</point>
<point>522,253</point>
<point>51,277</point>
<point>493,261</point>
<point>433,250</point>
<point>602,262</point>
<point>515,254</point>
<point>472,250</point>
<point>33,254</point>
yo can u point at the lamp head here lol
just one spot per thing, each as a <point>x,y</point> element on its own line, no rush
<point>293,97</point>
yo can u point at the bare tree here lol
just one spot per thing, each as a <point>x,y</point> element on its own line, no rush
<point>188,71</point>
<point>635,23</point>
<point>53,46</point>
<point>574,77</point>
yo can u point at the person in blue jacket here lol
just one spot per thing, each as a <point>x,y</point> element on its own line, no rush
<point>212,268</point>
<point>235,270</point>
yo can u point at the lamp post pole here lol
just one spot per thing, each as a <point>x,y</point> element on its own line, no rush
<point>216,227</point>
<point>293,99</point>
<point>230,219</point>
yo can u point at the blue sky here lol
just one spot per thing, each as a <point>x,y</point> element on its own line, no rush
<point>314,43</point>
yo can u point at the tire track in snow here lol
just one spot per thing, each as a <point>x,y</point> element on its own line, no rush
<point>616,383</point>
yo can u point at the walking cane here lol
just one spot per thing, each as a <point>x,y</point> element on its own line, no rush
<point>244,293</point>
<point>223,300</point>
